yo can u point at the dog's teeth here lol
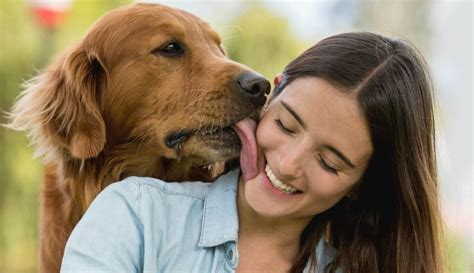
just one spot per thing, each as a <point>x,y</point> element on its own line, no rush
<point>207,167</point>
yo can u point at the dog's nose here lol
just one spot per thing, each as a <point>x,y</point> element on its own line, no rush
<point>253,84</point>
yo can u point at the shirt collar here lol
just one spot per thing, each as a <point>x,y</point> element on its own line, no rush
<point>220,219</point>
<point>325,254</point>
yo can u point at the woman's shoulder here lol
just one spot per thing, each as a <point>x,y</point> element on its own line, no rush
<point>150,196</point>
<point>144,201</point>
<point>139,186</point>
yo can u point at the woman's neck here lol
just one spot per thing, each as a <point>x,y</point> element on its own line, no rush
<point>280,234</point>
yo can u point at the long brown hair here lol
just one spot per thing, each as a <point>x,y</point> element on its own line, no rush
<point>394,224</point>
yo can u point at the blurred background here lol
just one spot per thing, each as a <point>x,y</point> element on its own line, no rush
<point>264,35</point>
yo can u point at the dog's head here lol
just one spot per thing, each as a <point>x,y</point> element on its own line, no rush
<point>146,74</point>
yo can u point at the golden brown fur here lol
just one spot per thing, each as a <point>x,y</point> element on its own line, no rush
<point>105,109</point>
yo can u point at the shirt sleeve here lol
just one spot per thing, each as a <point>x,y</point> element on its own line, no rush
<point>109,237</point>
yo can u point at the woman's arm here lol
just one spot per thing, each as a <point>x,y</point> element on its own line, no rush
<point>109,237</point>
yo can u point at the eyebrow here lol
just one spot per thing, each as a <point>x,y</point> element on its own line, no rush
<point>340,155</point>
<point>294,114</point>
<point>329,147</point>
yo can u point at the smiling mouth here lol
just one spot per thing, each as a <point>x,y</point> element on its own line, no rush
<point>278,184</point>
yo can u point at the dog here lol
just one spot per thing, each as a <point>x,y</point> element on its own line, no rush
<point>148,91</point>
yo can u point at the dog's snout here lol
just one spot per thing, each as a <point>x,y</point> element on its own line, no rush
<point>253,84</point>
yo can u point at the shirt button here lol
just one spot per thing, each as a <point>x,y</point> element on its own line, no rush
<point>230,255</point>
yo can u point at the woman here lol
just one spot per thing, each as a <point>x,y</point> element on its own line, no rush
<point>339,176</point>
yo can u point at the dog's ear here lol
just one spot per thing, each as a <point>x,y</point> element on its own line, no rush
<point>60,108</point>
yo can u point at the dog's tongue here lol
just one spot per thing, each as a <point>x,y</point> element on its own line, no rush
<point>245,129</point>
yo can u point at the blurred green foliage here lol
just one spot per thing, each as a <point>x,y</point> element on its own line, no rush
<point>459,255</point>
<point>261,40</point>
<point>24,49</point>
<point>257,38</point>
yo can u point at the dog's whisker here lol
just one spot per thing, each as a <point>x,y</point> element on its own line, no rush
<point>201,123</point>
<point>226,38</point>
<point>232,28</point>
<point>186,95</point>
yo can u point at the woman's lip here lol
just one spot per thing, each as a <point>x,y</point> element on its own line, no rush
<point>277,176</point>
<point>268,185</point>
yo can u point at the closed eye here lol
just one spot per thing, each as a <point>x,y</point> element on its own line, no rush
<point>326,167</point>
<point>283,127</point>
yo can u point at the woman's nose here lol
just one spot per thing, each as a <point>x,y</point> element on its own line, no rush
<point>290,166</point>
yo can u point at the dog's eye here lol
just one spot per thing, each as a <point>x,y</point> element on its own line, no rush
<point>171,49</point>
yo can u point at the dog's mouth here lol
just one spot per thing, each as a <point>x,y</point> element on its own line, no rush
<point>208,144</point>
<point>214,136</point>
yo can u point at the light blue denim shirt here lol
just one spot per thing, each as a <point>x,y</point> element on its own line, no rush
<point>147,225</point>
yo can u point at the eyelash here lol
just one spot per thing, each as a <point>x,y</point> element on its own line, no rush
<point>326,166</point>
<point>282,127</point>
<point>323,163</point>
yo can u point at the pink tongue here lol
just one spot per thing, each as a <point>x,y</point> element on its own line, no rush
<point>245,129</point>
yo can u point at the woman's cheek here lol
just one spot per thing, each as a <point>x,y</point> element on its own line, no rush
<point>264,134</point>
<point>326,185</point>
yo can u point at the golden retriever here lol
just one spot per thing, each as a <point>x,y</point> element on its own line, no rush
<point>148,91</point>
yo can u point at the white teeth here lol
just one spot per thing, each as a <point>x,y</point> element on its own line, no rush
<point>277,183</point>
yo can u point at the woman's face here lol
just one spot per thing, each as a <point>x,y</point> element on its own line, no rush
<point>313,147</point>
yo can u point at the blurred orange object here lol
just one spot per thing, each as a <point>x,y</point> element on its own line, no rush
<point>50,13</point>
